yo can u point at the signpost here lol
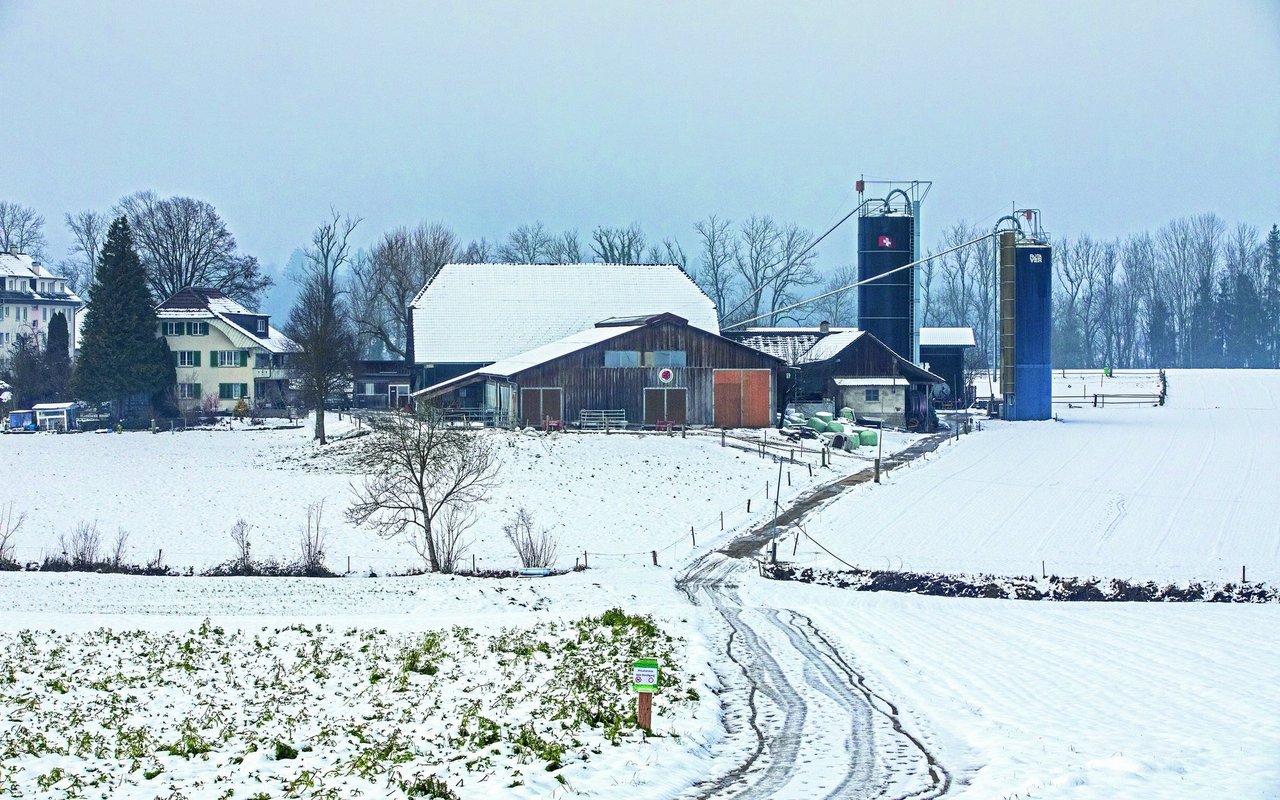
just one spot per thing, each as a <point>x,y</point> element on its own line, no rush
<point>644,679</point>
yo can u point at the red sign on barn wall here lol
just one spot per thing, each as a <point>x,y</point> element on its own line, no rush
<point>885,241</point>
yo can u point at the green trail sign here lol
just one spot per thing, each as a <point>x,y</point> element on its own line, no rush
<point>644,675</point>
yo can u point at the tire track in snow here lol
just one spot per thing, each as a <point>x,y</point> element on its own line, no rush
<point>800,695</point>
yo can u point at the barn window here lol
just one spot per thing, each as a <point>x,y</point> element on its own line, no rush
<point>872,395</point>
<point>664,358</point>
<point>621,358</point>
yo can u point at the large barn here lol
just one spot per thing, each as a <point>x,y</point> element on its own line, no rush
<point>654,371</point>
<point>472,315</point>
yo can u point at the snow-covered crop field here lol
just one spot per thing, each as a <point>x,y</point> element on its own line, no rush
<point>1184,491</point>
<point>182,492</point>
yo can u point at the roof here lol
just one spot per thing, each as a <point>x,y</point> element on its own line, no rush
<point>885,381</point>
<point>947,337</point>
<point>478,313</point>
<point>829,346</point>
<point>21,265</point>
<point>53,406</point>
<point>205,303</point>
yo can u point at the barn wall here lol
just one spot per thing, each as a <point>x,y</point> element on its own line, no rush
<point>588,384</point>
<point>861,359</point>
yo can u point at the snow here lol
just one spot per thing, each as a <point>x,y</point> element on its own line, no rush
<point>621,493</point>
<point>961,337</point>
<point>1179,492</point>
<point>829,346</point>
<point>480,313</point>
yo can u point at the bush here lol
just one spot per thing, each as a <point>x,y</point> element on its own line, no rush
<point>535,550</point>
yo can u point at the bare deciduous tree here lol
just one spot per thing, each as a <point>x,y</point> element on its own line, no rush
<point>118,547</point>
<point>313,537</point>
<point>419,467</point>
<point>183,242</point>
<point>669,252</point>
<point>240,536</point>
<point>565,248</point>
<point>479,251</point>
<point>22,229</point>
<point>83,548</point>
<point>385,281</point>
<point>618,245</point>
<point>527,244</point>
<point>534,549</point>
<point>840,308</point>
<point>717,254</point>
<point>450,546</point>
<point>9,525</point>
<point>320,324</point>
<point>89,232</point>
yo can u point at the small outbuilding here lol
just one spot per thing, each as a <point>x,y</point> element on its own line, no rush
<point>839,367</point>
<point>55,416</point>
<point>645,371</point>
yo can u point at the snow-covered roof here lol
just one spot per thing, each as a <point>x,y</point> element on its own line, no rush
<point>212,304</point>
<point>829,346</point>
<point>532,358</point>
<point>956,337</point>
<point>490,312</point>
<point>21,265</point>
<point>885,381</point>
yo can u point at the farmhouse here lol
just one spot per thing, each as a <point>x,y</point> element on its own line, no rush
<point>653,370</point>
<point>847,367</point>
<point>224,352</point>
<point>471,315</point>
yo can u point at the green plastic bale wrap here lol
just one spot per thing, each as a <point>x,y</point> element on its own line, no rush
<point>835,427</point>
<point>846,413</point>
<point>825,416</point>
<point>868,437</point>
<point>817,424</point>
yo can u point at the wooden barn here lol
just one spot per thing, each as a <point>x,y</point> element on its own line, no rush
<point>651,371</point>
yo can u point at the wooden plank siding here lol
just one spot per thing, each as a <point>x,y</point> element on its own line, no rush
<point>588,384</point>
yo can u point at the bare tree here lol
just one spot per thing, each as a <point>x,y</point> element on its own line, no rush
<point>449,545</point>
<point>840,308</point>
<point>669,252</point>
<point>527,244</point>
<point>240,536</point>
<point>9,525</point>
<point>418,468</point>
<point>118,547</point>
<point>717,254</point>
<point>566,249</point>
<point>534,549</point>
<point>755,260</point>
<point>794,270</point>
<point>89,232</point>
<point>313,537</point>
<point>479,251</point>
<point>183,242</point>
<point>22,229</point>
<point>320,325</point>
<point>84,546</point>
<point>385,282</point>
<point>618,245</point>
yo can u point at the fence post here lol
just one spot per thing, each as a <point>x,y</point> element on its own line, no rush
<point>766,491</point>
<point>1243,579</point>
<point>722,437</point>
<point>473,563</point>
<point>810,466</point>
<point>584,559</point>
<point>775,552</point>
<point>788,477</point>
<point>348,565</point>
<point>655,557</point>
<point>877,470</point>
<point>693,535</point>
<point>721,520</point>
<point>795,548</point>
<point>748,505</point>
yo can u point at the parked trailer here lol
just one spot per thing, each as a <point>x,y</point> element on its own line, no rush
<point>23,421</point>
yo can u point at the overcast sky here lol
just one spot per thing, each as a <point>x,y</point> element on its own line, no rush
<point>1111,117</point>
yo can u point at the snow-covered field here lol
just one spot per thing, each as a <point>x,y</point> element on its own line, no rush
<point>605,494</point>
<point>1184,491</point>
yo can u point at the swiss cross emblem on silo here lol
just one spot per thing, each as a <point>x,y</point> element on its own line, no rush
<point>885,241</point>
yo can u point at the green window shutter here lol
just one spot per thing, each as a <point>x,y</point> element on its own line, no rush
<point>244,358</point>
<point>174,354</point>
<point>195,359</point>
<point>213,358</point>
<point>195,391</point>
<point>244,390</point>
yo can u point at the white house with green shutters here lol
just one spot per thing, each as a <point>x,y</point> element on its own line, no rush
<point>224,352</point>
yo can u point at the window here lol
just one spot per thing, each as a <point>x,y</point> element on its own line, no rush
<point>188,391</point>
<point>188,358</point>
<point>664,358</point>
<point>262,361</point>
<point>175,328</point>
<point>232,391</point>
<point>872,395</point>
<point>262,324</point>
<point>621,358</point>
<point>229,358</point>
<point>197,329</point>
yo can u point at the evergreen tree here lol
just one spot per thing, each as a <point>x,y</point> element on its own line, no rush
<point>1244,343</point>
<point>1160,340</point>
<point>1270,324</point>
<point>121,352</point>
<point>1203,345</point>
<point>27,371</point>
<point>1224,326</point>
<point>57,359</point>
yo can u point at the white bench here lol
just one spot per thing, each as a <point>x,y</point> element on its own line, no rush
<point>602,419</point>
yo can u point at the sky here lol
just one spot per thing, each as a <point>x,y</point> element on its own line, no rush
<point>1109,117</point>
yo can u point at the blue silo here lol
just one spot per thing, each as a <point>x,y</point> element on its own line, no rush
<point>886,306</point>
<point>1026,327</point>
